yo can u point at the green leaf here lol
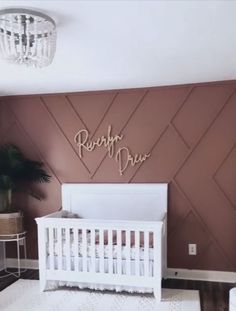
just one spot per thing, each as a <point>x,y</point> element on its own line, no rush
<point>16,171</point>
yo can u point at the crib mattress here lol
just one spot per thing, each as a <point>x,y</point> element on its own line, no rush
<point>125,253</point>
<point>88,268</point>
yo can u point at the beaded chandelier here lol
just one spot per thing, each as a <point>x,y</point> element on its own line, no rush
<point>27,37</point>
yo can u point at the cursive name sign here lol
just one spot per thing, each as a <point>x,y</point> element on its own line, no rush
<point>123,155</point>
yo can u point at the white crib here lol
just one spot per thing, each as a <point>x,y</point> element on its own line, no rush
<point>118,243</point>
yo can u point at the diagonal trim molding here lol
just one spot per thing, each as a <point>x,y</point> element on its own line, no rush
<point>191,132</point>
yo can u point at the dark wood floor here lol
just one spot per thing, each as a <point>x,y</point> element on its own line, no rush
<point>214,296</point>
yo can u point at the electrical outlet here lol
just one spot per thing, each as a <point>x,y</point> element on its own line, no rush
<point>192,249</point>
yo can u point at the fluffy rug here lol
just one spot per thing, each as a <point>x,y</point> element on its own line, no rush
<point>24,295</point>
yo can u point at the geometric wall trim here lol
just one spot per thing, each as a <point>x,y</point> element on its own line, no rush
<point>190,131</point>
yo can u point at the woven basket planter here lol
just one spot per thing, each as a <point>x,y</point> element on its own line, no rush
<point>11,223</point>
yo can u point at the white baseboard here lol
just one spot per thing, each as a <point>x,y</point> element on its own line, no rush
<point>202,275</point>
<point>1,265</point>
<point>187,274</point>
<point>1,257</point>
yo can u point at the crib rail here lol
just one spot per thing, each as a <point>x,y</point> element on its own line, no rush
<point>105,251</point>
<point>58,219</point>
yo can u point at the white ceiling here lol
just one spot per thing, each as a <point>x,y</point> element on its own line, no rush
<point>124,44</point>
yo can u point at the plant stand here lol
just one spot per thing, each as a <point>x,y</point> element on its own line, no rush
<point>20,239</point>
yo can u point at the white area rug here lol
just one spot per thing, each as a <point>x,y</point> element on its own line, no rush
<point>24,295</point>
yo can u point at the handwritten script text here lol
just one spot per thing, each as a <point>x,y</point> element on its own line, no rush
<point>123,155</point>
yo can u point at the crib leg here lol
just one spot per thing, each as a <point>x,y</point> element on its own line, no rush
<point>157,293</point>
<point>42,285</point>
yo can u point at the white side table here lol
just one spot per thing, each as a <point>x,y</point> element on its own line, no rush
<point>20,239</point>
<point>232,299</point>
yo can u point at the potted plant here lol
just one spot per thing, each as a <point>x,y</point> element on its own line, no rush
<point>17,173</point>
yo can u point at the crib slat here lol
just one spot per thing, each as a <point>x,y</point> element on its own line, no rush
<point>84,249</point>
<point>76,248</point>
<point>101,251</point>
<point>72,248</point>
<point>127,244</point>
<point>93,255</point>
<point>51,248</point>
<point>110,255</point>
<point>146,253</point>
<point>157,273</point>
<point>59,243</point>
<point>68,250</point>
<point>119,251</point>
<point>137,253</point>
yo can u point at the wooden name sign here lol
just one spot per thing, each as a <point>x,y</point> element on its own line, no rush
<point>123,155</point>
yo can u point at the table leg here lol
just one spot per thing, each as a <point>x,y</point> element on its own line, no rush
<point>18,256</point>
<point>25,255</point>
<point>4,256</point>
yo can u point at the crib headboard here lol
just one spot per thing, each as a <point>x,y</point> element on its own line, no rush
<point>116,201</point>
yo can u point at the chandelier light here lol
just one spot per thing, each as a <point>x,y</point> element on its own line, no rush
<point>27,37</point>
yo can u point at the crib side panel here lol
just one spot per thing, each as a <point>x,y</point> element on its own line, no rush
<point>42,239</point>
<point>74,249</point>
<point>158,261</point>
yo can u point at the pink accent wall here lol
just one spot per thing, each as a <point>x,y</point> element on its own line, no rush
<point>190,131</point>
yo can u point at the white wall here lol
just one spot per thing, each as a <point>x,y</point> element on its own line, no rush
<point>123,44</point>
